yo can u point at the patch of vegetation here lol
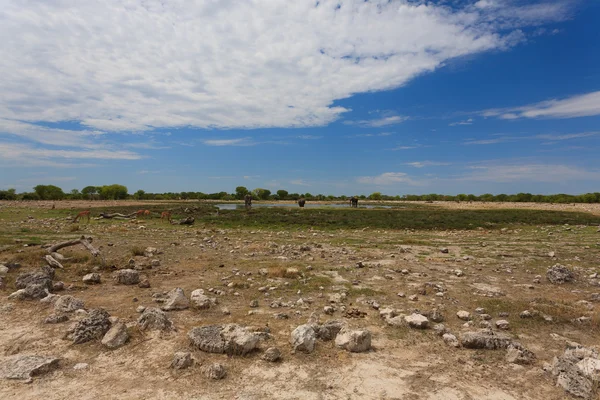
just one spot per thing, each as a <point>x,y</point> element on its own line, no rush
<point>137,251</point>
<point>408,218</point>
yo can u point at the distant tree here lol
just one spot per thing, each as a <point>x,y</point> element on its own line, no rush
<point>113,192</point>
<point>241,192</point>
<point>308,196</point>
<point>9,194</point>
<point>139,195</point>
<point>74,194</point>
<point>282,194</point>
<point>261,193</point>
<point>90,192</point>
<point>375,196</point>
<point>29,196</point>
<point>49,192</point>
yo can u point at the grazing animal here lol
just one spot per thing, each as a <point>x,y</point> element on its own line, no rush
<point>301,202</point>
<point>166,215</point>
<point>248,201</point>
<point>83,214</point>
<point>354,201</point>
<point>142,213</point>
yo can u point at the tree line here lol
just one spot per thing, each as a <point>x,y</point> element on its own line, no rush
<point>120,192</point>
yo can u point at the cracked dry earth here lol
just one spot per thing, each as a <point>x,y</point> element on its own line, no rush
<point>294,274</point>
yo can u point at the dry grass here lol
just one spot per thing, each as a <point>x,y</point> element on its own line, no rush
<point>282,272</point>
<point>137,251</point>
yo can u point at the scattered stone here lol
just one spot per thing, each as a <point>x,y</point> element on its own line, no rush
<point>140,309</point>
<point>67,304</point>
<point>485,339</point>
<point>397,321</point>
<point>354,313</point>
<point>578,371</point>
<point>303,338</point>
<point>176,300</point>
<point>92,279</point>
<point>450,340</point>
<point>56,319</point>
<point>58,286</point>
<point>413,297</point>
<point>214,371</point>
<point>518,355</point>
<point>436,316</point>
<point>116,337</point>
<point>417,321</point>
<point>386,313</point>
<point>464,315</point>
<point>329,330</point>
<point>502,324</point>
<point>43,279</point>
<point>25,367</point>
<point>440,329</point>
<point>329,310</point>
<point>526,314</point>
<point>254,303</point>
<point>92,327</point>
<point>182,360</point>
<point>272,354</point>
<point>231,339</point>
<point>80,366</point>
<point>127,277</point>
<point>444,250</point>
<point>144,284</point>
<point>355,341</point>
<point>155,319</point>
<point>559,274</point>
<point>3,270</point>
<point>200,301</point>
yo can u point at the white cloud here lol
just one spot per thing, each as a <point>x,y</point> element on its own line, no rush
<point>547,173</point>
<point>309,137</point>
<point>466,122</point>
<point>299,182</point>
<point>229,142</point>
<point>382,134</point>
<point>387,178</point>
<point>422,164</point>
<point>23,154</point>
<point>585,105</point>
<point>568,136</point>
<point>379,122</point>
<point>134,65</point>
<point>404,148</point>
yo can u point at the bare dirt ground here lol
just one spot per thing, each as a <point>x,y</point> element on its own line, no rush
<point>304,271</point>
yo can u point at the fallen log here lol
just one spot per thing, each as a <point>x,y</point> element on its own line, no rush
<point>185,221</point>
<point>53,262</point>
<point>114,216</point>
<point>85,241</point>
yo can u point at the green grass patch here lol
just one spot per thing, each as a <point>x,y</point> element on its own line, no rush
<point>438,219</point>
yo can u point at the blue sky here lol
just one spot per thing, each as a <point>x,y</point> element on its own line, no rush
<point>332,97</point>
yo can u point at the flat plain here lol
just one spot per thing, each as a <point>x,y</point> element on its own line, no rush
<point>272,270</point>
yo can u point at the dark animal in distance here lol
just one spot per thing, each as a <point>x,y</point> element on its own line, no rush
<point>301,202</point>
<point>248,201</point>
<point>354,201</point>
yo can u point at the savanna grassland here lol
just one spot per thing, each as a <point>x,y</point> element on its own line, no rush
<point>299,264</point>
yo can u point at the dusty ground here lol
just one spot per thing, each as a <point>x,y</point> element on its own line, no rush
<point>404,363</point>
